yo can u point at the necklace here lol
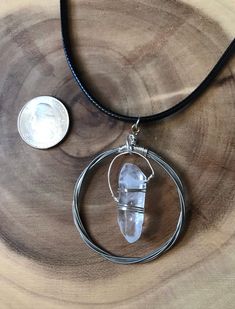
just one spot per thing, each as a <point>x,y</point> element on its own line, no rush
<point>133,183</point>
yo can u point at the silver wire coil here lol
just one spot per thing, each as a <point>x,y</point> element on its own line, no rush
<point>77,196</point>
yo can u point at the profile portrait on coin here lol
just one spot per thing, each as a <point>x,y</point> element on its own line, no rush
<point>43,122</point>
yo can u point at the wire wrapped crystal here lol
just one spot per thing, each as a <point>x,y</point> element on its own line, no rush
<point>131,201</point>
<point>132,185</point>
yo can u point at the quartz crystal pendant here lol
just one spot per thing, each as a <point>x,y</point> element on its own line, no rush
<point>131,201</point>
<point>129,196</point>
<point>132,185</point>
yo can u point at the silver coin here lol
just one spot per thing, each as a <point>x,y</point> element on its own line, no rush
<point>43,122</point>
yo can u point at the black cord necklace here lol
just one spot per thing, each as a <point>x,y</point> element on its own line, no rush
<point>174,109</point>
<point>133,183</point>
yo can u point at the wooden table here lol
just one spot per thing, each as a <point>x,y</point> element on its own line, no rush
<point>138,57</point>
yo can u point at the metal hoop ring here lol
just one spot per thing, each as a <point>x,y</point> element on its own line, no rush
<point>123,259</point>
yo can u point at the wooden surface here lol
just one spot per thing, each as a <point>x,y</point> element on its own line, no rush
<point>139,57</point>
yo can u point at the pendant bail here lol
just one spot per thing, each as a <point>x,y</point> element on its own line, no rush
<point>135,129</point>
<point>132,136</point>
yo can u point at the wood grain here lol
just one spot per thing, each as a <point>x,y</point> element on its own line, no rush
<point>138,57</point>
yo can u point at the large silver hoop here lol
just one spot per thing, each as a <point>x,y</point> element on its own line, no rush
<point>77,205</point>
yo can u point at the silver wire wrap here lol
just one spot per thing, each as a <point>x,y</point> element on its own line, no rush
<point>124,150</point>
<point>123,259</point>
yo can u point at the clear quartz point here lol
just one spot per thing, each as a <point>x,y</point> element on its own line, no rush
<point>131,201</point>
